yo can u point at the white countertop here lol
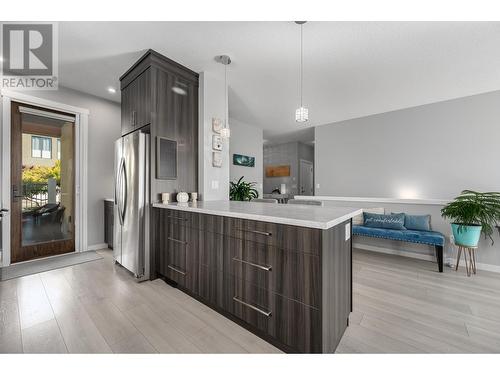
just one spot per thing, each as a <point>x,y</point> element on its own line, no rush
<point>301,215</point>
<point>109,199</point>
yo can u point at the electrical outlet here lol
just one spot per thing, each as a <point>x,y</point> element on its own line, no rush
<point>317,186</point>
<point>347,231</point>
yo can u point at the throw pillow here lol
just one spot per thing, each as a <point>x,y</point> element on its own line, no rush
<point>358,219</point>
<point>417,222</point>
<point>395,221</point>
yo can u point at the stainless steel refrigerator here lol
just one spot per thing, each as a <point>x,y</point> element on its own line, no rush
<point>131,208</point>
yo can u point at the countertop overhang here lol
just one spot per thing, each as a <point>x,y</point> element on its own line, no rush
<point>319,217</point>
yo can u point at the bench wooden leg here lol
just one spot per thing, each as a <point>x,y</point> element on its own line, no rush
<point>439,256</point>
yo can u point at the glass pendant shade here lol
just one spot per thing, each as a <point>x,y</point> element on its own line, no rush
<point>302,114</point>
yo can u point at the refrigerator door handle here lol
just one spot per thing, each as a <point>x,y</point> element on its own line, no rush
<point>125,192</point>
<point>118,191</point>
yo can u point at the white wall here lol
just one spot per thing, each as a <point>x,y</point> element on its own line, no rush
<point>104,128</point>
<point>432,151</point>
<point>246,140</point>
<point>213,181</point>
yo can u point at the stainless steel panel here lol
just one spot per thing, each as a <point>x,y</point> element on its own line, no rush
<point>135,179</point>
<point>117,227</point>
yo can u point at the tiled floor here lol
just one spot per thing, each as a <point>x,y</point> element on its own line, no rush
<point>401,305</point>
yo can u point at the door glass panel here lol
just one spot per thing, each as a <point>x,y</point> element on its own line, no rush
<point>47,180</point>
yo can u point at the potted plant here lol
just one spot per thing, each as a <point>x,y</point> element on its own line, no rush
<point>472,213</point>
<point>242,191</point>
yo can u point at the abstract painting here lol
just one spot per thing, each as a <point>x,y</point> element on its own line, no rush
<point>278,171</point>
<point>244,161</point>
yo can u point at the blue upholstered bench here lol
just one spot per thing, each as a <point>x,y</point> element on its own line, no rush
<point>432,238</point>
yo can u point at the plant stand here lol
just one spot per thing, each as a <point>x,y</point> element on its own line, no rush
<point>470,265</point>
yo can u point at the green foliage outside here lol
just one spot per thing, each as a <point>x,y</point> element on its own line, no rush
<point>35,179</point>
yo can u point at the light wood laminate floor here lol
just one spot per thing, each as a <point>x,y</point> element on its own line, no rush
<point>401,305</point>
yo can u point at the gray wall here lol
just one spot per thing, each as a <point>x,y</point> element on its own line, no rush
<point>246,140</point>
<point>431,151</point>
<point>104,129</point>
<point>285,154</point>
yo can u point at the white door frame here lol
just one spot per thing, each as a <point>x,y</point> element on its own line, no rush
<point>300,174</point>
<point>81,170</point>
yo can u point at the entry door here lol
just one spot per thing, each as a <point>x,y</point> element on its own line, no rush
<point>42,182</point>
<point>306,177</point>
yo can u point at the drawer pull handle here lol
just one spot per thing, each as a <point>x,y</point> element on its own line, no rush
<point>256,231</point>
<point>176,240</point>
<point>177,218</point>
<point>266,313</point>
<point>265,268</point>
<point>176,270</point>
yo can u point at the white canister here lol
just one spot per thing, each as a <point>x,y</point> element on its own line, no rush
<point>165,198</point>
<point>283,189</point>
<point>182,197</point>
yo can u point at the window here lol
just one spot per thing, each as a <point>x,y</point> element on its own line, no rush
<point>41,147</point>
<point>58,148</point>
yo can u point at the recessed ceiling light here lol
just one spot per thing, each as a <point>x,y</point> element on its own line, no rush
<point>111,90</point>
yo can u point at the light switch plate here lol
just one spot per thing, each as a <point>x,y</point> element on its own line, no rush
<point>217,159</point>
<point>215,184</point>
<point>347,231</point>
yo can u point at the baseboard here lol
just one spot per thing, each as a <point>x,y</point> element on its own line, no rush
<point>480,266</point>
<point>449,261</point>
<point>98,246</point>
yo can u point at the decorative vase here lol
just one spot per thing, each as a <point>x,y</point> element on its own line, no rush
<point>466,235</point>
<point>165,197</point>
<point>182,197</point>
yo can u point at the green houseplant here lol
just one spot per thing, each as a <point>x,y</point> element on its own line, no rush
<point>242,191</point>
<point>471,213</point>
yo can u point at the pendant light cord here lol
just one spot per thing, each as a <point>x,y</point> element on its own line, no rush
<point>301,62</point>
<point>225,96</point>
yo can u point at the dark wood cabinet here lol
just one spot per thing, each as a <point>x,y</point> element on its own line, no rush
<point>160,97</point>
<point>291,285</point>
<point>108,222</point>
<point>136,106</point>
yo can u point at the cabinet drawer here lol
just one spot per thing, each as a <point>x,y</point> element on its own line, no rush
<point>205,283</point>
<point>292,323</point>
<point>282,236</point>
<point>175,265</point>
<point>205,248</point>
<point>293,274</point>
<point>176,217</point>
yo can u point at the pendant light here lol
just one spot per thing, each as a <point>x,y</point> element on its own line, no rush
<point>302,113</point>
<point>225,60</point>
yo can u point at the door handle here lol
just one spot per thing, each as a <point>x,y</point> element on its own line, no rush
<point>255,308</point>
<point>125,192</point>
<point>118,192</point>
<point>259,266</point>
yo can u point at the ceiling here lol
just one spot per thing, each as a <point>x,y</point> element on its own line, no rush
<point>351,69</point>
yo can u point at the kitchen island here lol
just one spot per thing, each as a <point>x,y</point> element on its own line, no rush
<point>284,272</point>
